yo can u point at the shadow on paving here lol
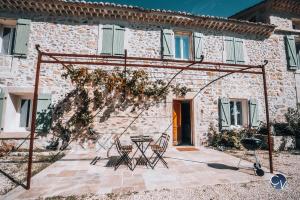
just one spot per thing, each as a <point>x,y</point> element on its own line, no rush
<point>222,166</point>
<point>12,179</point>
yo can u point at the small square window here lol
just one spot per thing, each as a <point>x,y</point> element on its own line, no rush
<point>182,46</point>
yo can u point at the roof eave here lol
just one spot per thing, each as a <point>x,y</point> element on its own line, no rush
<point>135,14</point>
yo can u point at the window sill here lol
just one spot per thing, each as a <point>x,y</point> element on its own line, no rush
<point>183,59</point>
<point>236,127</point>
<point>7,55</point>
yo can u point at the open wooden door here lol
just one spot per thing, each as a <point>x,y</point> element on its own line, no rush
<point>176,122</point>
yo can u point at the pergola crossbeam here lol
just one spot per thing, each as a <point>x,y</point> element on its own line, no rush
<point>139,62</point>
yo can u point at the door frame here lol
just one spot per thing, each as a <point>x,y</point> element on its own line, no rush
<point>191,102</point>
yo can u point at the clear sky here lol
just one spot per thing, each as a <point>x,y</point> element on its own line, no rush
<point>222,8</point>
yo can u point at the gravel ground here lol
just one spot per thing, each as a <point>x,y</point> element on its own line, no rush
<point>13,168</point>
<point>285,162</point>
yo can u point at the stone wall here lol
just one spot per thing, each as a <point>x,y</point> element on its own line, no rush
<point>81,36</point>
<point>282,20</point>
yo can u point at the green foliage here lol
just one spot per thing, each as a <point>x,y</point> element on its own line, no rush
<point>262,130</point>
<point>228,139</point>
<point>293,119</point>
<point>283,129</point>
<point>289,128</point>
<point>101,93</point>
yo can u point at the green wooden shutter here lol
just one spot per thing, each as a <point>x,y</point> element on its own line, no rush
<point>224,113</point>
<point>198,45</point>
<point>291,51</point>
<point>107,39</point>
<point>118,43</point>
<point>167,43</point>
<point>229,50</point>
<point>44,113</point>
<point>2,99</point>
<point>253,112</point>
<point>239,51</point>
<point>22,37</point>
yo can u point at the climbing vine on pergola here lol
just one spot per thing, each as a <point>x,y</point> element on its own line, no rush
<point>99,93</point>
<point>123,89</point>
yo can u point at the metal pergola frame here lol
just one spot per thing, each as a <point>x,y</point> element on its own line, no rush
<point>67,60</point>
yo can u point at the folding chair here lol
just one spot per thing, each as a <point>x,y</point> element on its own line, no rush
<point>100,139</point>
<point>124,151</point>
<point>159,148</point>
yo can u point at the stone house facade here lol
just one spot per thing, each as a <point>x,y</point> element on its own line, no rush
<point>101,28</point>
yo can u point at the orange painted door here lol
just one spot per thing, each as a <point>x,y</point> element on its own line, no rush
<point>176,122</point>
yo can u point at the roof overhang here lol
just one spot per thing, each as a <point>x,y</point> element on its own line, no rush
<point>134,14</point>
<point>285,6</point>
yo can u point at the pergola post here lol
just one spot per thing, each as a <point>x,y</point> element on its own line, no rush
<point>164,64</point>
<point>270,146</point>
<point>33,119</point>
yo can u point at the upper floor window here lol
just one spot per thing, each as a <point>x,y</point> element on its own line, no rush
<point>182,46</point>
<point>113,40</point>
<point>234,50</point>
<point>292,45</point>
<point>14,36</point>
<point>7,34</point>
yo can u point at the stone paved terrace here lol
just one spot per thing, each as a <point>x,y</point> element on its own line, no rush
<point>73,174</point>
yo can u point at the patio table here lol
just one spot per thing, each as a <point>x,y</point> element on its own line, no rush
<point>142,143</point>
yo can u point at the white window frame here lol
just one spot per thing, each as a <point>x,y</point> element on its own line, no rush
<point>1,38</point>
<point>181,34</point>
<point>244,114</point>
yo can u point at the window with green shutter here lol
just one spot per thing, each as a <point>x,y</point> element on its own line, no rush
<point>167,44</point>
<point>239,51</point>
<point>7,34</point>
<point>234,50</point>
<point>113,40</point>
<point>253,113</point>
<point>224,113</point>
<point>44,113</point>
<point>22,37</point>
<point>198,45</point>
<point>233,113</point>
<point>292,51</point>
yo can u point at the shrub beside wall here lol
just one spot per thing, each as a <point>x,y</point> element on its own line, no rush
<point>285,135</point>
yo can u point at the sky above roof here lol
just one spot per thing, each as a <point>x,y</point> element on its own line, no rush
<point>222,8</point>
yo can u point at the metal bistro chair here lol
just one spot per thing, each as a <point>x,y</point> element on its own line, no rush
<point>159,148</point>
<point>124,151</point>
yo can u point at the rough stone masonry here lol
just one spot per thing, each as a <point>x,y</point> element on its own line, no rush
<point>82,35</point>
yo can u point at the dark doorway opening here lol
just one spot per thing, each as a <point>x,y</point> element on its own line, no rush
<point>182,131</point>
<point>186,123</point>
